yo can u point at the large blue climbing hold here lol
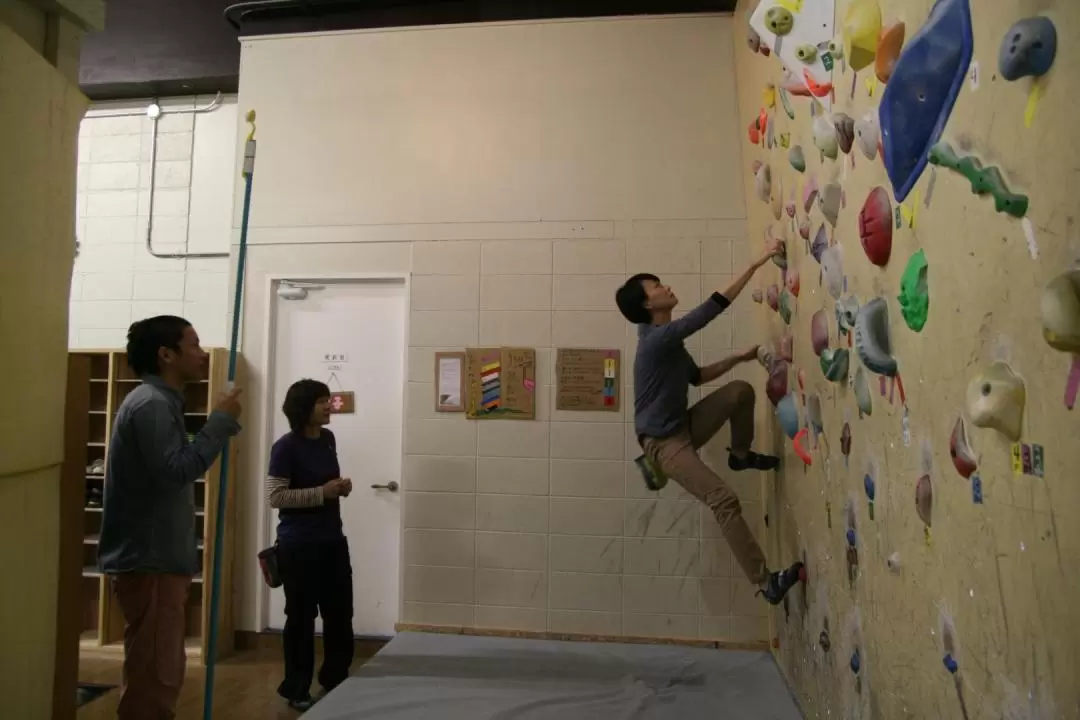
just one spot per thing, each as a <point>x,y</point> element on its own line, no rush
<point>921,93</point>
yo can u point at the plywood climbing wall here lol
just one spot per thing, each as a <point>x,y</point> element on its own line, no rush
<point>965,601</point>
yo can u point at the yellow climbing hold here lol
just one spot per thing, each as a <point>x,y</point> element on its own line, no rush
<point>768,96</point>
<point>861,31</point>
<point>792,6</point>
<point>871,85</point>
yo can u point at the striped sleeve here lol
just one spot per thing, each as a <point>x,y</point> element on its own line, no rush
<point>280,495</point>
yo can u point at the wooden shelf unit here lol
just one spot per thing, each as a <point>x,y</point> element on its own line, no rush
<point>103,624</point>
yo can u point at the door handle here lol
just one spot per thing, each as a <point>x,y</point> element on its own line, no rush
<point>392,486</point>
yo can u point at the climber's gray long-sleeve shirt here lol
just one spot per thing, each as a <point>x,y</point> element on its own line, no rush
<point>148,523</point>
<point>664,370</point>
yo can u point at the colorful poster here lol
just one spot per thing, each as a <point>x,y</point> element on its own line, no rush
<point>501,383</point>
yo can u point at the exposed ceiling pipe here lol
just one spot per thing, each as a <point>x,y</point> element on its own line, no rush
<point>154,112</point>
<point>237,12</point>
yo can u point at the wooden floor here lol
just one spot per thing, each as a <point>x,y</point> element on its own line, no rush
<point>244,685</point>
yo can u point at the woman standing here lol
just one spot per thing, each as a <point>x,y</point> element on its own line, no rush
<point>305,485</point>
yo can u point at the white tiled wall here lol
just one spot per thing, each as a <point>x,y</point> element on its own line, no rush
<point>116,281</point>
<point>516,225</point>
<point>546,525</point>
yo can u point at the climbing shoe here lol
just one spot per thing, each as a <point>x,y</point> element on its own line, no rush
<point>753,461</point>
<point>654,477</point>
<point>780,582</point>
<point>303,704</point>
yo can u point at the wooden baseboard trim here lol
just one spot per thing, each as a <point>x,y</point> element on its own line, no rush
<point>762,646</point>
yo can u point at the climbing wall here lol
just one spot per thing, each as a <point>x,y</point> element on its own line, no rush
<point>932,485</point>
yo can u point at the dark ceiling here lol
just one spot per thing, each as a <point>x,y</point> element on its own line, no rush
<point>179,47</point>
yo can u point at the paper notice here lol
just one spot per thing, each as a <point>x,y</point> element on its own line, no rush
<point>450,381</point>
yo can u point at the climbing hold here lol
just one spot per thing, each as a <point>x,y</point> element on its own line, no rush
<point>855,662</point>
<point>753,40</point>
<point>995,399</point>
<point>889,46</point>
<point>836,47</point>
<point>772,297</point>
<point>809,193</point>
<point>893,563</point>
<point>800,376</point>
<point>788,414</point>
<point>845,131</point>
<point>823,641</point>
<point>806,53</point>
<point>825,137</point>
<point>763,182</point>
<point>804,229</point>
<point>871,491</point>
<point>872,337</point>
<point>845,441</point>
<point>820,244</point>
<point>876,226</point>
<point>819,332</point>
<point>850,535</point>
<point>832,270</point>
<point>779,20</point>
<point>1028,48</point>
<point>786,349</point>
<point>950,664</point>
<point>963,457</point>
<point>920,95</point>
<point>924,499</point>
<point>829,200</point>
<point>789,207</point>
<point>754,133</point>
<point>983,180</point>
<point>868,134</point>
<point>1059,310</point>
<point>863,398</point>
<point>914,292</point>
<point>860,29</point>
<point>817,89</point>
<point>780,258</point>
<point>786,102</point>
<point>785,307</point>
<point>834,364</point>
<point>847,310</point>
<point>776,387</point>
<point>796,158</point>
<point>793,281</point>
<point>800,447</point>
<point>758,297</point>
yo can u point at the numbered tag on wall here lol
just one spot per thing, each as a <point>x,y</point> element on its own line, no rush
<point>342,402</point>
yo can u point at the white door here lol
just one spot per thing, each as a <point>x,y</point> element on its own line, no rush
<point>351,335</point>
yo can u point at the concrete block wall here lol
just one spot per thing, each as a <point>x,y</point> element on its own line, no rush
<point>116,280</point>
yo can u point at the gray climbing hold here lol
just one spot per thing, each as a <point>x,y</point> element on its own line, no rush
<point>796,158</point>
<point>1028,49</point>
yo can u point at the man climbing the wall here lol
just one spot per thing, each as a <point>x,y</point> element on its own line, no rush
<point>670,432</point>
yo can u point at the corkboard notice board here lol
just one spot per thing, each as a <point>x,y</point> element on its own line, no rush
<point>587,380</point>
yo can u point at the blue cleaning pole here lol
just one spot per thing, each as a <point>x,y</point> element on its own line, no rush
<point>223,477</point>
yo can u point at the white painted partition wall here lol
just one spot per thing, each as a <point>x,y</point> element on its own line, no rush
<point>516,173</point>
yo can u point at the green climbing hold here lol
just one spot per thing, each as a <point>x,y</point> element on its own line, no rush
<point>785,307</point>
<point>914,293</point>
<point>779,20</point>
<point>796,158</point>
<point>983,180</point>
<point>834,364</point>
<point>785,99</point>
<point>806,53</point>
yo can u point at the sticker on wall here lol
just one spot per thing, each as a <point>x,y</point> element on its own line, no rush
<point>342,402</point>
